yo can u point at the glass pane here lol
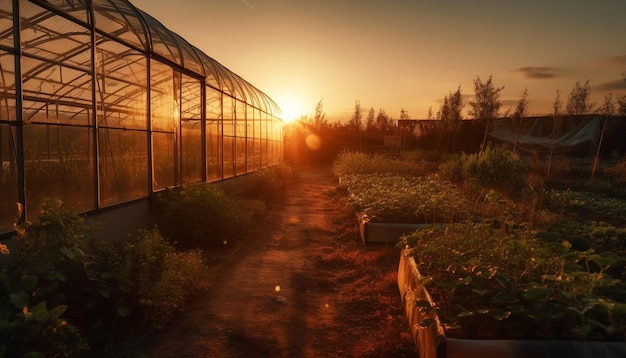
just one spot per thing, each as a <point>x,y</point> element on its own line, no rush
<point>123,165</point>
<point>6,24</point>
<point>75,8</point>
<point>214,149</point>
<point>229,156</point>
<point>8,177</point>
<point>213,134</point>
<point>191,157</point>
<point>55,94</point>
<point>7,87</point>
<point>163,162</point>
<point>163,42</point>
<point>117,18</point>
<point>54,38</point>
<point>240,156</point>
<point>58,163</point>
<point>163,106</point>
<point>122,80</point>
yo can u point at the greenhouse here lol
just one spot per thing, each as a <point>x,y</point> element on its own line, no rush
<point>101,106</point>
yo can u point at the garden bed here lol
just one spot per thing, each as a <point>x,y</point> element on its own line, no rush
<point>387,233</point>
<point>431,340</point>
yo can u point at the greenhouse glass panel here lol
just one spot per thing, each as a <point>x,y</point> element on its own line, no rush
<point>6,24</point>
<point>164,108</point>
<point>191,129</point>
<point>8,177</point>
<point>164,161</point>
<point>7,87</point>
<point>250,136</point>
<point>53,93</point>
<point>257,153</point>
<point>213,134</point>
<point>75,8</point>
<point>190,57</point>
<point>163,42</point>
<point>229,156</point>
<point>122,81</point>
<point>118,19</point>
<point>123,164</point>
<point>52,37</point>
<point>191,157</point>
<point>240,135</point>
<point>240,155</point>
<point>229,136</point>
<point>58,163</point>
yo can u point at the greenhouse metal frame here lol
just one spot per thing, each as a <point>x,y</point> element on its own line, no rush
<point>102,105</point>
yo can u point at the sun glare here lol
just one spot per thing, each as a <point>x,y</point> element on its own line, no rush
<point>291,107</point>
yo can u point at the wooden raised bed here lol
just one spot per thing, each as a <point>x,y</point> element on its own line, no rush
<point>431,342</point>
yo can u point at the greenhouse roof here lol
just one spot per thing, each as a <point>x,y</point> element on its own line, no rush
<point>62,40</point>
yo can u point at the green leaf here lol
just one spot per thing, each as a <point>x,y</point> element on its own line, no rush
<point>538,293</point>
<point>499,314</point>
<point>29,282</point>
<point>601,260</point>
<point>57,311</point>
<point>19,299</point>
<point>123,311</point>
<point>105,293</point>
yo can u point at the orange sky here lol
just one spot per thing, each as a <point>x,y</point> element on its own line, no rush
<point>406,54</point>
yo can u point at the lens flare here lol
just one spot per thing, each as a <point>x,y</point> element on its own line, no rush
<point>313,142</point>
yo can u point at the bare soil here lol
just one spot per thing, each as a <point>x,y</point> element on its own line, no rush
<point>301,285</point>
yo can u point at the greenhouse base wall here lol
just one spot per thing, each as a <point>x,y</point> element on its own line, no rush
<point>116,224</point>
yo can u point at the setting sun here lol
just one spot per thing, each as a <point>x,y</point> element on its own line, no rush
<point>292,107</point>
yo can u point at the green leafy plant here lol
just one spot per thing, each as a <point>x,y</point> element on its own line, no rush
<point>494,279</point>
<point>493,168</point>
<point>200,215</point>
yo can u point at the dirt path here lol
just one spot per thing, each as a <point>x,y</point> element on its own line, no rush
<point>280,295</point>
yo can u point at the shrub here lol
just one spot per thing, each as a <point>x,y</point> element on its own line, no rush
<point>492,168</point>
<point>201,216</point>
<point>62,291</point>
<point>49,264</point>
<point>268,184</point>
<point>158,278</point>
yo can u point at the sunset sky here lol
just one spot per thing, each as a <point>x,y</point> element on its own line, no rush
<point>406,54</point>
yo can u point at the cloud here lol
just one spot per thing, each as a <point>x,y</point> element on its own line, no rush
<point>617,85</point>
<point>615,61</point>
<point>538,73</point>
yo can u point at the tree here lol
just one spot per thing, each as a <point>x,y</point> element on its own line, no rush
<point>429,115</point>
<point>579,100</point>
<point>486,104</point>
<point>621,105</point>
<point>355,120</point>
<point>404,114</point>
<point>370,124</point>
<point>320,117</point>
<point>556,126</point>
<point>383,122</point>
<point>607,110</point>
<point>521,112</point>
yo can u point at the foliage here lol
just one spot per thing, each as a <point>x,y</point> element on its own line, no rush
<point>579,100</point>
<point>158,277</point>
<point>202,216</point>
<point>399,199</point>
<point>494,279</point>
<point>62,290</point>
<point>349,163</point>
<point>493,168</point>
<point>268,184</point>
